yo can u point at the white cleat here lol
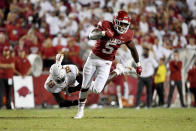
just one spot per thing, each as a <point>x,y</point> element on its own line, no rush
<point>119,69</point>
<point>130,71</point>
<point>79,115</point>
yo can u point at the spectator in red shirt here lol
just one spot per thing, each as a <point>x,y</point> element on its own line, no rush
<point>6,74</point>
<point>19,47</point>
<point>3,42</point>
<point>13,29</point>
<point>175,67</point>
<point>192,81</point>
<point>72,53</point>
<point>31,42</point>
<point>48,53</point>
<point>22,64</point>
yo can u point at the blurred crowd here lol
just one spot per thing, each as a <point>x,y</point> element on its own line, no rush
<point>47,27</point>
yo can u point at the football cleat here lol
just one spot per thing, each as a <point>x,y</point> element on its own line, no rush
<point>119,69</point>
<point>129,71</point>
<point>79,115</point>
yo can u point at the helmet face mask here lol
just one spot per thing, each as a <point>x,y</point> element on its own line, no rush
<point>121,26</point>
<point>59,80</point>
<point>121,22</point>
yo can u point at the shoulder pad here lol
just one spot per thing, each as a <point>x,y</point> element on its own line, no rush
<point>104,24</point>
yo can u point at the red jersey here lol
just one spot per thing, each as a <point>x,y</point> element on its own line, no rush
<point>34,48</point>
<point>175,70</point>
<point>192,77</point>
<point>6,73</point>
<point>48,52</point>
<point>106,48</point>
<point>75,58</point>
<point>18,48</point>
<point>14,32</point>
<point>2,46</point>
<point>22,65</point>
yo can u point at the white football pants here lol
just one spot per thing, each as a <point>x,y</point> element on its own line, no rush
<point>97,68</point>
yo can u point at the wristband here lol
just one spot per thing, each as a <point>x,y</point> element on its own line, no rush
<point>138,64</point>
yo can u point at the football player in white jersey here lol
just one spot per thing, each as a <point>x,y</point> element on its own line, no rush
<point>61,77</point>
<point>67,78</point>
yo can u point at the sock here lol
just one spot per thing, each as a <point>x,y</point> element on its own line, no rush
<point>82,99</point>
<point>126,90</point>
<point>83,95</point>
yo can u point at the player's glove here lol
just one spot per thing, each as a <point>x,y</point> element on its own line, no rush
<point>59,58</point>
<point>138,68</point>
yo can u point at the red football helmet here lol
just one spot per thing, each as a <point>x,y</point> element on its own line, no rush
<point>121,22</point>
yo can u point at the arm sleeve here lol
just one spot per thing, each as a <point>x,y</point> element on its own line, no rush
<point>96,34</point>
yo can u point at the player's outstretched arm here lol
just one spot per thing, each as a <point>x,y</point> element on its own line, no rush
<point>59,58</point>
<point>133,50</point>
<point>135,56</point>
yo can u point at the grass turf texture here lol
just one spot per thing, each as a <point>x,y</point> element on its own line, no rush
<point>157,119</point>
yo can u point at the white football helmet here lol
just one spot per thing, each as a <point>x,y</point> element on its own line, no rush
<point>58,73</point>
<point>121,22</point>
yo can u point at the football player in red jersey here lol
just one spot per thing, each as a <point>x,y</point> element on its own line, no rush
<point>110,36</point>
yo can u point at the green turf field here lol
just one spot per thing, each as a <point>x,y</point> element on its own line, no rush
<point>159,119</point>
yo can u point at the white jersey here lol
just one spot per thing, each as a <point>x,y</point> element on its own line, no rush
<point>70,80</point>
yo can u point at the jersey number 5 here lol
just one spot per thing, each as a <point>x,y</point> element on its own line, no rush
<point>108,48</point>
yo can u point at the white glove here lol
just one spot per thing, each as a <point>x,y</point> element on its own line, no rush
<point>59,58</point>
